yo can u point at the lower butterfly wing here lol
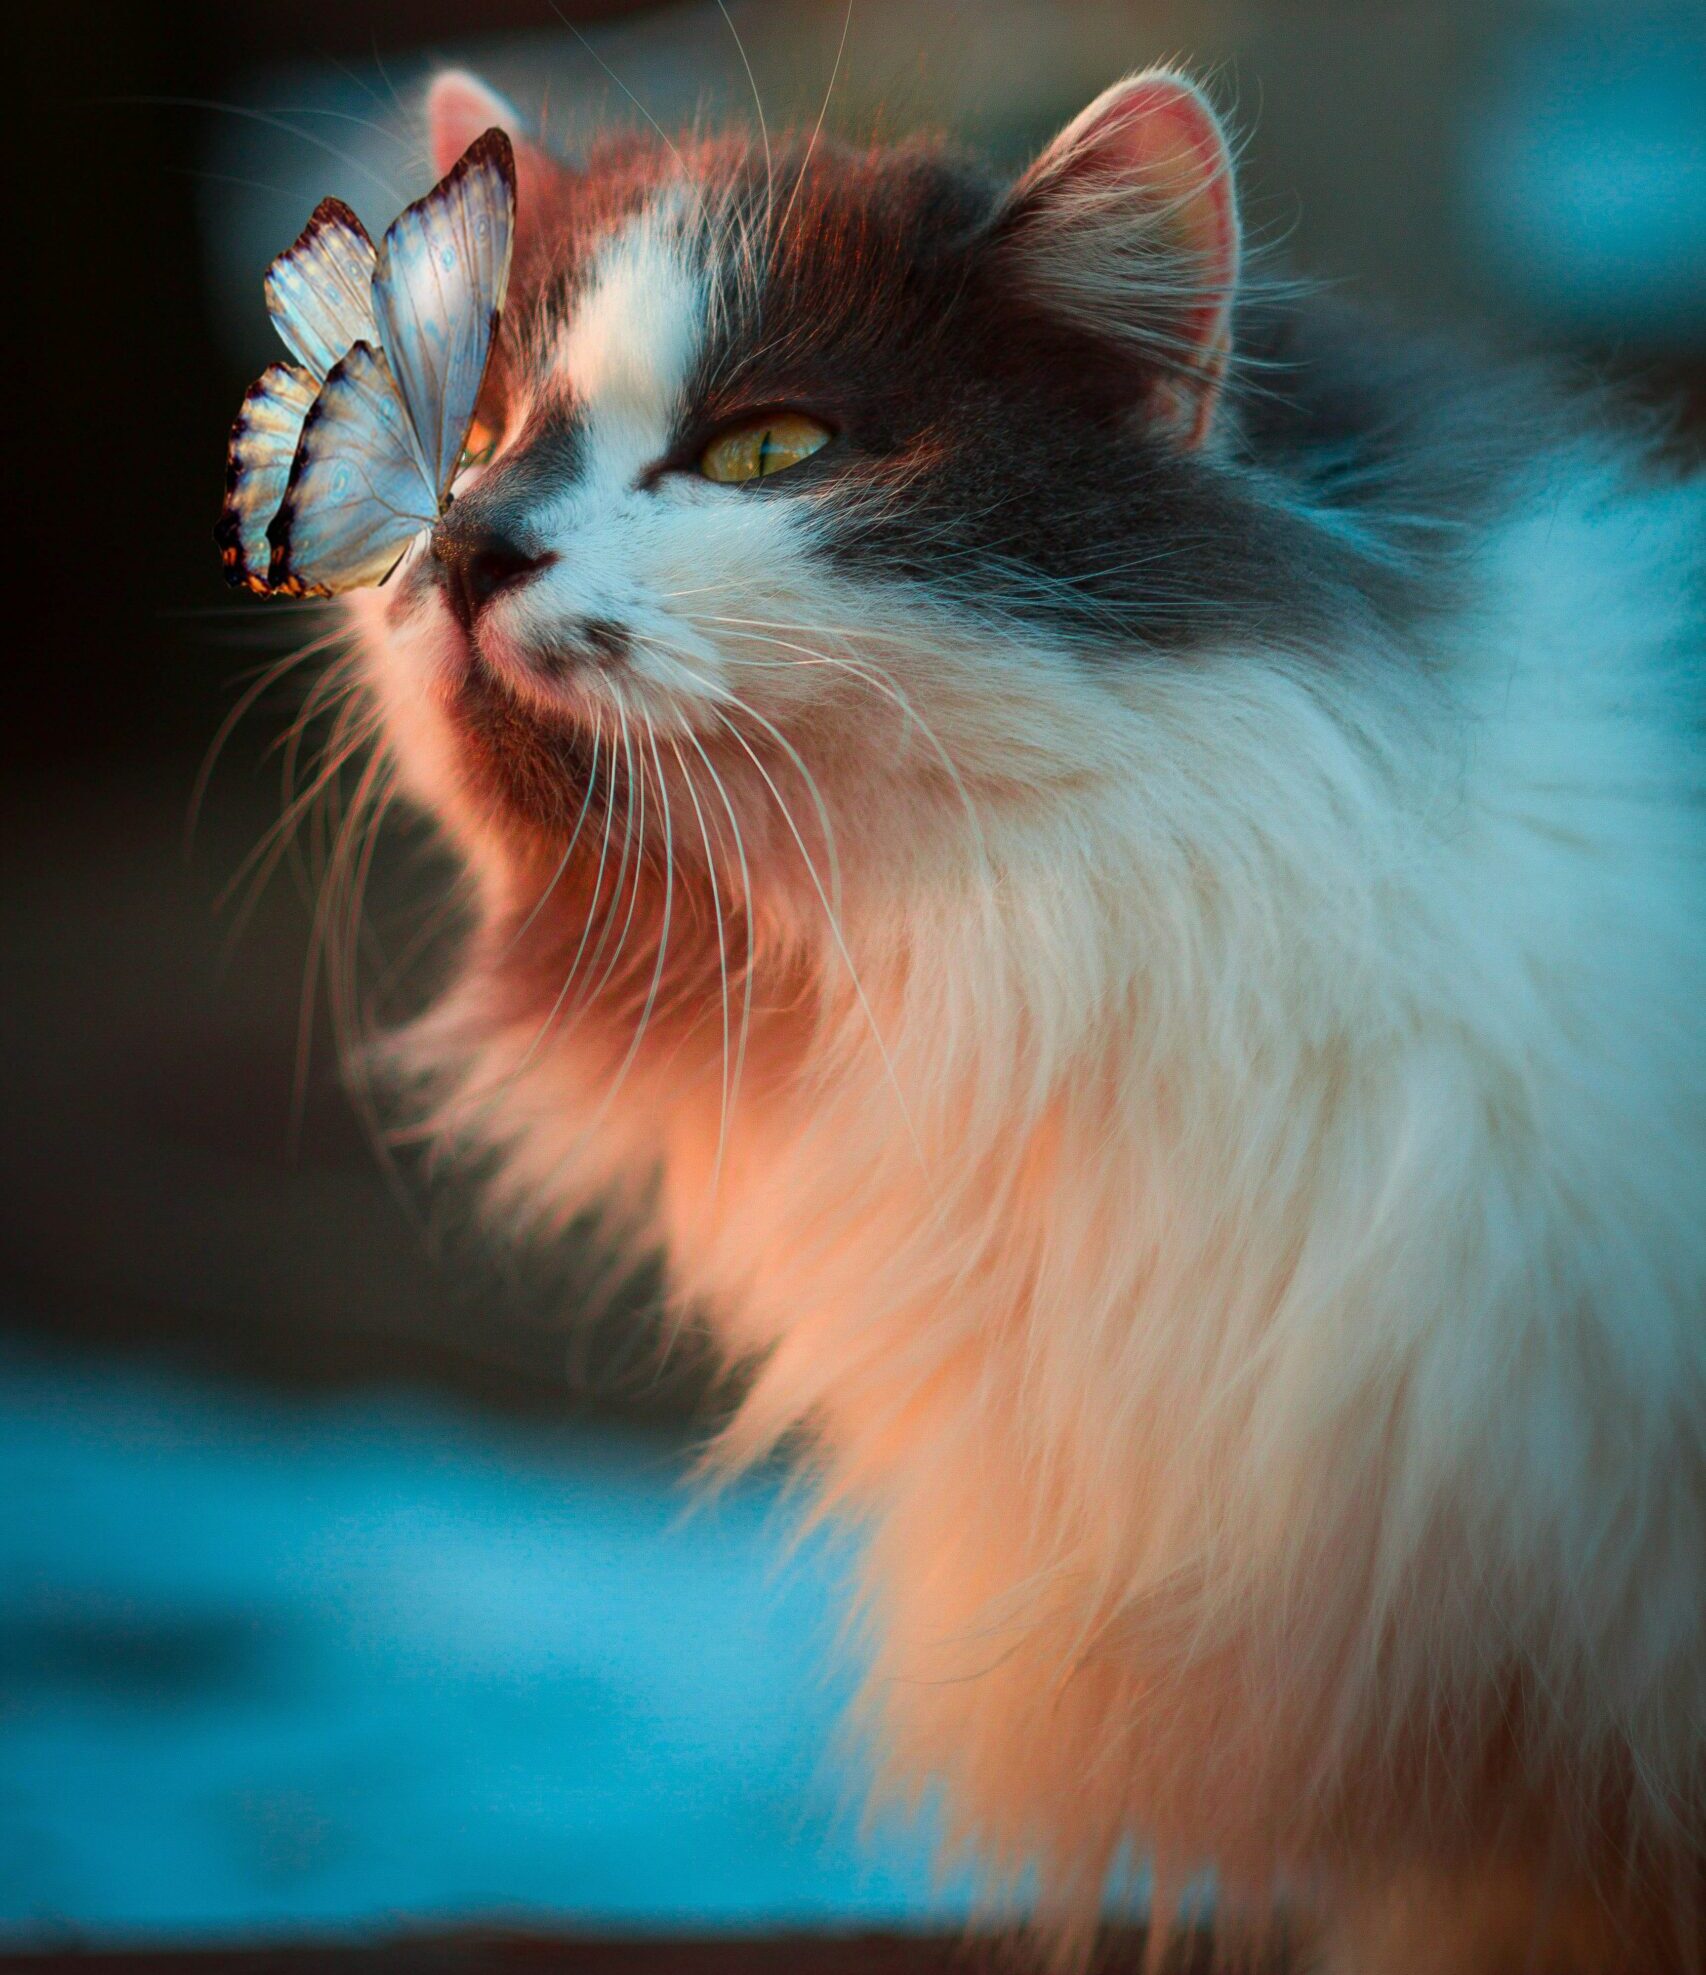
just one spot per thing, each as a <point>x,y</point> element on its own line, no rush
<point>257,469</point>
<point>438,289</point>
<point>320,290</point>
<point>357,495</point>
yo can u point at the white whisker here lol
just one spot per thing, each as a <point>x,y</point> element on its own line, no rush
<point>650,736</point>
<point>539,904</point>
<point>592,912</point>
<point>635,827</point>
<point>748,913</point>
<point>817,130</point>
<point>810,655</point>
<point>722,955</point>
<point>836,933</point>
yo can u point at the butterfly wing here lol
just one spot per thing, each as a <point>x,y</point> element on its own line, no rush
<point>320,290</point>
<point>257,469</point>
<point>439,286</point>
<point>357,493</point>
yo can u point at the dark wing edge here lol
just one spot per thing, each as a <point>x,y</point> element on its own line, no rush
<point>493,144</point>
<point>240,570</point>
<point>495,149</point>
<point>278,529</point>
<point>329,212</point>
<point>361,369</point>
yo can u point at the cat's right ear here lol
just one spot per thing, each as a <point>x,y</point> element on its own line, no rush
<point>1128,225</point>
<point>459,108</point>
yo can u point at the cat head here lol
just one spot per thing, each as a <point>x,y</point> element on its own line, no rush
<point>834,497</point>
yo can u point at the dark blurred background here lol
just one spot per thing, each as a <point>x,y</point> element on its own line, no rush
<point>265,1393</point>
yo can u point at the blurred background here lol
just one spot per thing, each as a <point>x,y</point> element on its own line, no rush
<point>349,1574</point>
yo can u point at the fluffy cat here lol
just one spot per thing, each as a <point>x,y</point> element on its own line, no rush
<point>1113,860</point>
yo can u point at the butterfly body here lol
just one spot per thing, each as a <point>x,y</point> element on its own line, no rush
<point>340,459</point>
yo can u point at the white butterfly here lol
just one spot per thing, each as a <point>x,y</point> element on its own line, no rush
<point>340,459</point>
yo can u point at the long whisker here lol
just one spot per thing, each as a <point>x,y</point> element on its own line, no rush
<point>722,951</point>
<point>597,912</point>
<point>817,128</point>
<point>337,686</point>
<point>811,787</point>
<point>366,87</point>
<point>320,930</point>
<point>644,1023</point>
<point>428,928</point>
<point>345,893</point>
<point>751,929</point>
<point>388,132</point>
<point>539,904</point>
<point>663,135</point>
<point>349,734</point>
<point>812,656</point>
<point>270,676</point>
<point>348,934</point>
<point>385,76</point>
<point>834,924</point>
<point>344,952</point>
<point>635,825</point>
<point>758,105</point>
<point>592,914</point>
<point>271,122</point>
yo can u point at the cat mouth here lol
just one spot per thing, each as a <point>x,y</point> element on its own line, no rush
<point>570,657</point>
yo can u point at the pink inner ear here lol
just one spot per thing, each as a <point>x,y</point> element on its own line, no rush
<point>1150,156</point>
<point>460,108</point>
<point>1163,132</point>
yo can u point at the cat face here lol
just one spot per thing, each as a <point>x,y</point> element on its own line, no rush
<point>845,495</point>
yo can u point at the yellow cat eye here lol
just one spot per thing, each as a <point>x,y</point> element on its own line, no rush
<point>479,446</point>
<point>762,446</point>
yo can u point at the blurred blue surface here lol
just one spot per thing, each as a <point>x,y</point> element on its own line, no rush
<point>274,1663</point>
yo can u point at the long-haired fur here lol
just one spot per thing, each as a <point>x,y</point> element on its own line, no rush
<point>1183,1083</point>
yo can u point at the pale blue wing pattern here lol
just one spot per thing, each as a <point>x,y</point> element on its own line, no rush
<point>437,291</point>
<point>257,469</point>
<point>320,290</point>
<point>357,494</point>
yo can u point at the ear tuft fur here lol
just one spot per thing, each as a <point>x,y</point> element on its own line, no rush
<point>1129,223</point>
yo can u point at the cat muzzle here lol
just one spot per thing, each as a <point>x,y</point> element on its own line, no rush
<point>476,563</point>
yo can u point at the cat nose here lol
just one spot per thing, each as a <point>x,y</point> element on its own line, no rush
<point>477,562</point>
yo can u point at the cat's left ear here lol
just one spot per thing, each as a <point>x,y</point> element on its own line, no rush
<point>459,108</point>
<point>1128,224</point>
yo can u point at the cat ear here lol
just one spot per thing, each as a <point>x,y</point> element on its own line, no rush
<point>459,108</point>
<point>1128,223</point>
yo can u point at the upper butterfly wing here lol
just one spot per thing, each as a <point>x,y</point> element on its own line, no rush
<point>320,290</point>
<point>438,290</point>
<point>257,469</point>
<point>357,494</point>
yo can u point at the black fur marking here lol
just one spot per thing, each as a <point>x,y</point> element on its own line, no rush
<point>998,457</point>
<point>608,642</point>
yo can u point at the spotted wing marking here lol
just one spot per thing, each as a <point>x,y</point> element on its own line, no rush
<point>438,290</point>
<point>356,496</point>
